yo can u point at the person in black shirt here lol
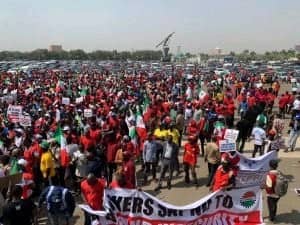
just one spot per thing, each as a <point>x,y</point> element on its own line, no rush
<point>19,211</point>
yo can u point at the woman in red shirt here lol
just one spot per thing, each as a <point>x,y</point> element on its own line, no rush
<point>191,151</point>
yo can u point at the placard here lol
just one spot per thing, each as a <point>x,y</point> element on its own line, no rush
<point>231,134</point>
<point>227,146</point>
<point>87,113</point>
<point>65,101</point>
<point>79,100</point>
<point>25,121</point>
<point>14,113</point>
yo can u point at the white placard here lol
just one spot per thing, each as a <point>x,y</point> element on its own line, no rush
<point>65,101</point>
<point>25,121</point>
<point>14,113</point>
<point>231,134</point>
<point>88,113</point>
<point>79,100</point>
<point>227,146</point>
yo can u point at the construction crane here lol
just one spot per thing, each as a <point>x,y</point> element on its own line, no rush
<point>165,47</point>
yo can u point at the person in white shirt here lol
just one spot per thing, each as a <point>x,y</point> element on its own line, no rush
<point>259,136</point>
<point>296,106</point>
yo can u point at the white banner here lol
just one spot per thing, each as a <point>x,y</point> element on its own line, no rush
<point>235,207</point>
<point>256,164</point>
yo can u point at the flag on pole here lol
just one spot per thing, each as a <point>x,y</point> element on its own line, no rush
<point>140,126</point>
<point>61,140</point>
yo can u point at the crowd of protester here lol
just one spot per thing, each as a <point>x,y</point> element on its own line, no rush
<point>112,126</point>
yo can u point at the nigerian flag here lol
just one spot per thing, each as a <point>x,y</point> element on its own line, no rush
<point>140,125</point>
<point>59,138</point>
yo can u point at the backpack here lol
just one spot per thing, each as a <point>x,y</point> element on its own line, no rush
<point>56,199</point>
<point>281,186</point>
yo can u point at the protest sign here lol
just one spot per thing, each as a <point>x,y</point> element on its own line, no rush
<point>227,146</point>
<point>65,101</point>
<point>87,113</point>
<point>231,134</point>
<point>238,206</point>
<point>25,121</point>
<point>79,100</point>
<point>14,113</point>
<point>246,178</point>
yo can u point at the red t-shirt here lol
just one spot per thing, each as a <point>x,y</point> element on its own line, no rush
<point>128,170</point>
<point>190,154</point>
<point>95,134</point>
<point>87,142</point>
<point>221,179</point>
<point>93,194</point>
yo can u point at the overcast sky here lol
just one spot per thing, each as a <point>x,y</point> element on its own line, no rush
<point>200,25</point>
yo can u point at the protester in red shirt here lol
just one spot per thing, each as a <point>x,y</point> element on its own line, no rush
<point>272,197</point>
<point>128,169</point>
<point>223,177</point>
<point>92,190</point>
<point>251,101</point>
<point>86,140</point>
<point>192,129</point>
<point>282,104</point>
<point>191,151</point>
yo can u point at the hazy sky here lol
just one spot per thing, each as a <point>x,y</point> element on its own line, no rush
<point>140,24</point>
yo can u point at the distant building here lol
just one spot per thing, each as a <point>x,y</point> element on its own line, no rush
<point>297,48</point>
<point>55,48</point>
<point>218,51</point>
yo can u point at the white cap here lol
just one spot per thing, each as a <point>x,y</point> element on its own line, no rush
<point>22,162</point>
<point>66,128</point>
